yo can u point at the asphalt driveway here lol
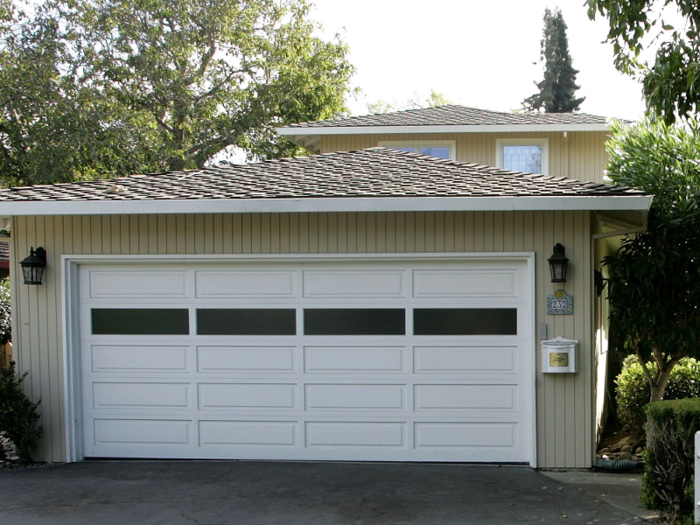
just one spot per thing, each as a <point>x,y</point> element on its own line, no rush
<point>267,493</point>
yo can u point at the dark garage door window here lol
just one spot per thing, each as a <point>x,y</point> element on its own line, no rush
<point>465,321</point>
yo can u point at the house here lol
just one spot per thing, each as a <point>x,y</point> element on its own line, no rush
<point>369,302</point>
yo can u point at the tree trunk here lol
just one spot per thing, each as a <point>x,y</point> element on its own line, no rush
<point>657,391</point>
<point>660,380</point>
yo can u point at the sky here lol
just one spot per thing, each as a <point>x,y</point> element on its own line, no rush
<point>478,53</point>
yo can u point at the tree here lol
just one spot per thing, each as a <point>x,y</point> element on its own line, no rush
<point>556,91</point>
<point>655,275</point>
<point>434,100</point>
<point>52,126</point>
<point>671,85</point>
<point>108,87</point>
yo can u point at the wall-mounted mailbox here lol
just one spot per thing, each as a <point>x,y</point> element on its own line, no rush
<point>559,356</point>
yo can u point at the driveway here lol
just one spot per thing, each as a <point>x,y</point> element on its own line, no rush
<point>267,493</point>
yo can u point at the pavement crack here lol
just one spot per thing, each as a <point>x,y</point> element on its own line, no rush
<point>184,515</point>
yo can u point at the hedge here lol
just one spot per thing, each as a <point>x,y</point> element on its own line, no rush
<point>667,483</point>
<point>633,390</point>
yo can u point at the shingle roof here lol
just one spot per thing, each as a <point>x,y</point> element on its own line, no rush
<point>373,172</point>
<point>452,115</point>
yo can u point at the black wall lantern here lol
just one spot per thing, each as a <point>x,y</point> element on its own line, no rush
<point>557,264</point>
<point>33,266</point>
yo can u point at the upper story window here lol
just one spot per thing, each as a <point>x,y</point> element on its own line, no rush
<point>528,155</point>
<point>444,149</point>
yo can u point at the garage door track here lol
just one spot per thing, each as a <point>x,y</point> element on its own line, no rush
<point>267,493</point>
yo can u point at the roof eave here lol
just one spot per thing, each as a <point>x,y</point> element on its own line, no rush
<point>638,203</point>
<point>303,133</point>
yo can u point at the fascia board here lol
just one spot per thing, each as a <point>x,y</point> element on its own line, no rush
<point>482,128</point>
<point>334,204</point>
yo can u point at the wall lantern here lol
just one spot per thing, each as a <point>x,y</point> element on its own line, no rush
<point>557,264</point>
<point>33,266</point>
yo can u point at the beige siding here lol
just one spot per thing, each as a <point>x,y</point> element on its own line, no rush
<point>565,417</point>
<point>580,155</point>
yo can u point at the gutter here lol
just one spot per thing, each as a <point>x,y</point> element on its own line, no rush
<point>638,203</point>
<point>474,128</point>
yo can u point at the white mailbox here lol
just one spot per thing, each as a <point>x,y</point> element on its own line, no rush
<point>559,356</point>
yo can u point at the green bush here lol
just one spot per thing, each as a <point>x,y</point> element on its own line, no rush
<point>633,389</point>
<point>18,415</point>
<point>5,312</point>
<point>667,483</point>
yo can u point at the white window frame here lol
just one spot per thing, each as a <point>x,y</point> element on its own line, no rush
<point>451,144</point>
<point>543,143</point>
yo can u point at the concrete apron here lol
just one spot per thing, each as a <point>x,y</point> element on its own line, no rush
<point>266,493</point>
<point>622,490</point>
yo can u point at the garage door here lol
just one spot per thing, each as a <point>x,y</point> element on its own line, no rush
<point>400,360</point>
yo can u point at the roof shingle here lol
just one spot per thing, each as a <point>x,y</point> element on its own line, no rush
<point>452,115</point>
<point>373,172</point>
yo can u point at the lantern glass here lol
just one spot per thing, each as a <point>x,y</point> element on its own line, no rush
<point>558,272</point>
<point>32,274</point>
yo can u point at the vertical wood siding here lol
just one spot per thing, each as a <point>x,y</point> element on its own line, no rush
<point>581,155</point>
<point>564,402</point>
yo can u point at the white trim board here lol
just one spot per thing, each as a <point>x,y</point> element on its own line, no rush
<point>477,128</point>
<point>327,204</point>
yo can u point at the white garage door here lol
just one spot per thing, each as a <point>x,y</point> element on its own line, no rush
<point>420,360</point>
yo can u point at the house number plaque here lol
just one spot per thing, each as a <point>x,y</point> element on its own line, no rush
<point>560,303</point>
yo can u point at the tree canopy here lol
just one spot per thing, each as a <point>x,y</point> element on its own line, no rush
<point>94,88</point>
<point>671,84</point>
<point>556,92</point>
<point>655,275</point>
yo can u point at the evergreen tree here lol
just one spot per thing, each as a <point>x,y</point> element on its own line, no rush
<point>557,89</point>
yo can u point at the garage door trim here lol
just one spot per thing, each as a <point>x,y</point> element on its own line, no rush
<point>71,334</point>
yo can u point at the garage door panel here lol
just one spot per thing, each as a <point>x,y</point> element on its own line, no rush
<point>245,359</point>
<point>465,283</point>
<point>141,432</point>
<point>355,434</point>
<point>354,359</point>
<point>471,359</point>
<point>248,284</point>
<point>247,396</point>
<point>348,284</point>
<point>465,397</point>
<point>138,284</point>
<point>141,395</point>
<point>247,433</point>
<point>138,358</point>
<point>465,435</point>
<point>355,397</point>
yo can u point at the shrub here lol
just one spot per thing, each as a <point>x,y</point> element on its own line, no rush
<point>5,312</point>
<point>667,483</point>
<point>633,389</point>
<point>18,415</point>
